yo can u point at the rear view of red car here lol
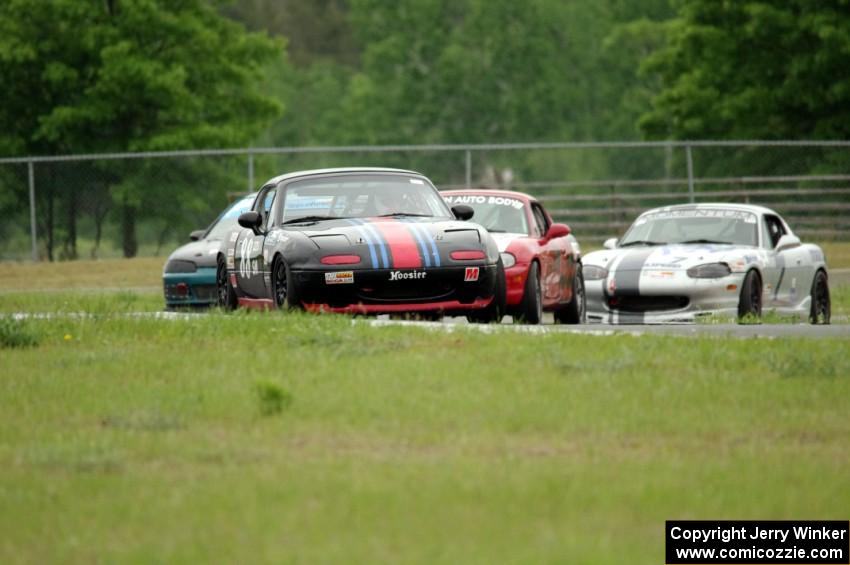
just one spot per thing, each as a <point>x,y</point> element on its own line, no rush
<point>542,259</point>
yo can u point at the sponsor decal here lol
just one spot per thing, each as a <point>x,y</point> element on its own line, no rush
<point>231,251</point>
<point>341,277</point>
<point>401,275</point>
<point>231,264</point>
<point>612,285</point>
<point>658,274</point>
<point>665,264</point>
<point>502,201</point>
<point>297,202</point>
<point>233,281</point>
<point>471,274</point>
<point>266,256</point>
<point>478,199</point>
<point>747,217</point>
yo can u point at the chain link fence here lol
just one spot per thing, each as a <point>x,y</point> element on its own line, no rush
<point>95,206</point>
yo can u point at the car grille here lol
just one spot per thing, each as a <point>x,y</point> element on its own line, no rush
<point>647,303</point>
<point>186,292</point>
<point>405,291</point>
<point>205,292</point>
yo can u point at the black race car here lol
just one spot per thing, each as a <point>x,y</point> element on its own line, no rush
<point>361,241</point>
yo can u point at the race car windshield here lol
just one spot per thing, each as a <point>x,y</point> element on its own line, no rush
<point>499,214</point>
<point>696,226</point>
<point>362,196</point>
<point>228,220</point>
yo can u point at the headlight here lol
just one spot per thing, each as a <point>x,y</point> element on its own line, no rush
<point>594,273</point>
<point>508,259</point>
<point>180,266</point>
<point>709,271</point>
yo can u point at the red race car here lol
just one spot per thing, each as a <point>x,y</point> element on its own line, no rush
<point>542,259</point>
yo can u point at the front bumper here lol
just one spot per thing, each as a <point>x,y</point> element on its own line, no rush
<point>190,289</point>
<point>515,278</point>
<point>446,289</point>
<point>664,298</point>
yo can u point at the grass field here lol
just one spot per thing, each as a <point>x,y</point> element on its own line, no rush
<point>304,439</point>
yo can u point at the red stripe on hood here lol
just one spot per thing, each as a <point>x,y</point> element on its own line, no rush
<point>402,244</point>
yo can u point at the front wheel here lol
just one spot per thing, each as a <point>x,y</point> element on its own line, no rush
<point>531,309</point>
<point>821,309</point>
<point>283,286</point>
<point>575,312</point>
<point>749,304</point>
<point>226,294</point>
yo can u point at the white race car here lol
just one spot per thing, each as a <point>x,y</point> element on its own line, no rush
<point>678,263</point>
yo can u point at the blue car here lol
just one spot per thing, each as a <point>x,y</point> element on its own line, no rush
<point>188,279</point>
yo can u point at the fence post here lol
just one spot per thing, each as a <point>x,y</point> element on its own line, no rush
<point>33,233</point>
<point>690,158</point>
<point>468,168</point>
<point>250,172</point>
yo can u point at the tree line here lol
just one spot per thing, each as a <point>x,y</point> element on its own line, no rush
<point>88,76</point>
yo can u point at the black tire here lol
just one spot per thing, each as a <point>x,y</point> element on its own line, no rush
<point>531,308</point>
<point>575,312</point>
<point>284,292</point>
<point>749,304</point>
<point>821,309</point>
<point>495,311</point>
<point>225,293</point>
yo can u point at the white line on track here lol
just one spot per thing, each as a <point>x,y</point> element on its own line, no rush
<point>454,325</point>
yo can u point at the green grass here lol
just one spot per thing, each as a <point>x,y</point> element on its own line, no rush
<point>89,274</point>
<point>284,438</point>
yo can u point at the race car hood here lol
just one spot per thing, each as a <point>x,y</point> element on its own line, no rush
<point>406,242</point>
<point>674,257</point>
<point>202,253</point>
<point>503,240</point>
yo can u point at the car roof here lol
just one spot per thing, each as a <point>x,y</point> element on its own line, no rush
<point>316,172</point>
<point>491,192</point>
<point>723,205</point>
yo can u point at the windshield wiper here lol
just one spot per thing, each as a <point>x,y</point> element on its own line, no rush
<point>311,219</point>
<point>394,214</point>
<point>707,241</point>
<point>642,242</point>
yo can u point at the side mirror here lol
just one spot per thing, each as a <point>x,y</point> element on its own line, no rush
<point>787,241</point>
<point>250,219</point>
<point>197,235</point>
<point>610,243</point>
<point>463,212</point>
<point>557,230</point>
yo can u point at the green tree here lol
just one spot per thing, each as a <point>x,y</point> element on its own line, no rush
<point>766,69</point>
<point>129,75</point>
